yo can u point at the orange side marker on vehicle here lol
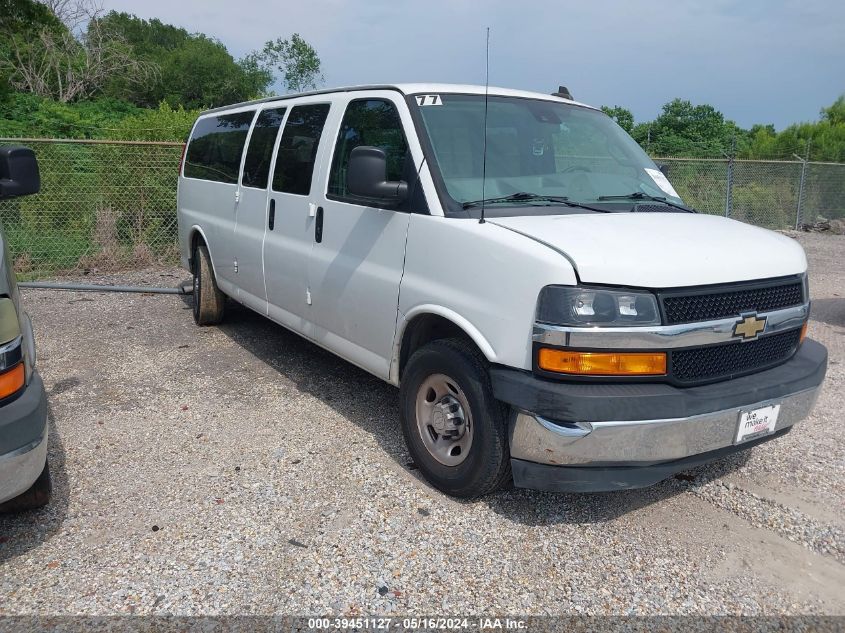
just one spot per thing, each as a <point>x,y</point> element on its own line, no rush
<point>602,363</point>
<point>12,381</point>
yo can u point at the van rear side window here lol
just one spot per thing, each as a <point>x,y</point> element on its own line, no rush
<point>298,149</point>
<point>216,146</point>
<point>260,150</point>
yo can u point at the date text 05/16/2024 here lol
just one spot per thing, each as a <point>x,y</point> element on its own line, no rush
<point>417,624</point>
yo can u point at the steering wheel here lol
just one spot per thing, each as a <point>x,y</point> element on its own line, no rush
<point>573,168</point>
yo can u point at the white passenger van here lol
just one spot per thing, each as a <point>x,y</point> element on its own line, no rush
<point>550,309</point>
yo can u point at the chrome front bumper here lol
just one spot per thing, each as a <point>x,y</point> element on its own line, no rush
<point>20,468</point>
<point>583,437</point>
<point>640,442</point>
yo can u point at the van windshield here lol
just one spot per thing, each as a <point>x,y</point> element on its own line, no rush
<point>535,147</point>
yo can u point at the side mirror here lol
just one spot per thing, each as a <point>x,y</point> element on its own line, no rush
<point>366,176</point>
<point>18,172</point>
<point>664,169</point>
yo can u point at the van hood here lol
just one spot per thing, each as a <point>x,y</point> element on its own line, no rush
<point>662,250</point>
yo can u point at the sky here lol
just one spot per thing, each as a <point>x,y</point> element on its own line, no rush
<point>757,61</point>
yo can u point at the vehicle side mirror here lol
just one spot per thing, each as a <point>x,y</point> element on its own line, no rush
<point>18,172</point>
<point>366,176</point>
<point>664,169</point>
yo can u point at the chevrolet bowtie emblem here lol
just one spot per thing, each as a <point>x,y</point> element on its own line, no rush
<point>749,327</point>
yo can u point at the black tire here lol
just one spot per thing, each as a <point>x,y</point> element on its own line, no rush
<point>37,496</point>
<point>486,467</point>
<point>209,301</point>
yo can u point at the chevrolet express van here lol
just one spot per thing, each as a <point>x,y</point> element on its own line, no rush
<point>24,472</point>
<point>550,309</point>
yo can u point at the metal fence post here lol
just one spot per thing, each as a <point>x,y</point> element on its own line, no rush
<point>799,211</point>
<point>729,194</point>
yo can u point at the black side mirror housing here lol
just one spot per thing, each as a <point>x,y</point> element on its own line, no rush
<point>366,176</point>
<point>664,168</point>
<point>19,174</point>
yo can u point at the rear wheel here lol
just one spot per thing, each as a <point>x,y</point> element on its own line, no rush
<point>36,497</point>
<point>456,431</point>
<point>209,301</point>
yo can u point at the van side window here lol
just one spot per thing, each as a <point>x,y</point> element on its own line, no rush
<point>298,149</point>
<point>216,146</point>
<point>373,122</point>
<point>260,150</point>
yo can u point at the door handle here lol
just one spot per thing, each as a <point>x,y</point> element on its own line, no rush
<point>318,226</point>
<point>272,221</point>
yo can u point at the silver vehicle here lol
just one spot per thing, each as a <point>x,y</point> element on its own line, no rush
<point>548,306</point>
<point>24,473</point>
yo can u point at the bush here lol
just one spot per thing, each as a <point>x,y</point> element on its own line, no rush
<point>30,116</point>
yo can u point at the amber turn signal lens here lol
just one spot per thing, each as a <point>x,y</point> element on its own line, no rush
<point>803,332</point>
<point>602,363</point>
<point>12,381</point>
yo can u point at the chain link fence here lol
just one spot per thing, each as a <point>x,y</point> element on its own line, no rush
<point>111,205</point>
<point>768,193</point>
<point>103,206</point>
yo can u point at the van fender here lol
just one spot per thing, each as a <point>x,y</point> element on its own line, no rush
<point>197,229</point>
<point>469,329</point>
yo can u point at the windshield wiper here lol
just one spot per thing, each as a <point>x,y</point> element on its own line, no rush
<point>639,195</point>
<point>524,196</point>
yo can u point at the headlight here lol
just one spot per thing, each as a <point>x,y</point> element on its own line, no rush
<point>571,305</point>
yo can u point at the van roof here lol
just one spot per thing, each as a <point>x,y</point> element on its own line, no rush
<point>409,89</point>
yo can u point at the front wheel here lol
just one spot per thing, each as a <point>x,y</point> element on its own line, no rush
<point>456,431</point>
<point>209,300</point>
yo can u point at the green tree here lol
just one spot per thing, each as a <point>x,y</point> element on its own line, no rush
<point>822,140</point>
<point>196,71</point>
<point>684,129</point>
<point>202,74</point>
<point>622,116</point>
<point>835,114</point>
<point>293,60</point>
<point>27,16</point>
<point>66,61</point>
<point>21,19</point>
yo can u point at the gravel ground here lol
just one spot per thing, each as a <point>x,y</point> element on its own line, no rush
<point>242,470</point>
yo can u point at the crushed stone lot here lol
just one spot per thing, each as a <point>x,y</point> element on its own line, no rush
<point>242,470</point>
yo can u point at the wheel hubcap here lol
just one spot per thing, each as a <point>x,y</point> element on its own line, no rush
<point>444,420</point>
